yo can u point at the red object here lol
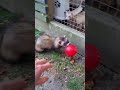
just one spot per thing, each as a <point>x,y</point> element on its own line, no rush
<point>70,50</point>
<point>92,57</point>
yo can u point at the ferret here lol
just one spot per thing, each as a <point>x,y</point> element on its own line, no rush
<point>80,18</point>
<point>48,42</point>
<point>17,40</point>
<point>71,14</point>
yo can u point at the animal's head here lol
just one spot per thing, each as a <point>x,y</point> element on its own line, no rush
<point>61,41</point>
<point>83,3</point>
<point>68,15</point>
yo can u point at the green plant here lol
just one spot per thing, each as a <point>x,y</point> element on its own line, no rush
<point>37,33</point>
<point>5,15</point>
<point>74,83</point>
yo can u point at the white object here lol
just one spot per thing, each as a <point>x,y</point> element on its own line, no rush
<point>80,18</point>
<point>71,14</point>
<point>60,8</point>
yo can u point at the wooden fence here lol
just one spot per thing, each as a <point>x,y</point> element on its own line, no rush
<point>44,10</point>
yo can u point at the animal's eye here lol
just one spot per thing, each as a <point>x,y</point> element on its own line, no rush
<point>59,42</point>
<point>67,42</point>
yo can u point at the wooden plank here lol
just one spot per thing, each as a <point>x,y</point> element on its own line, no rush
<point>42,8</point>
<point>47,8</point>
<point>41,16</point>
<point>42,1</point>
<point>50,8</point>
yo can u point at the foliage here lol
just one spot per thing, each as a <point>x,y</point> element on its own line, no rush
<point>5,15</point>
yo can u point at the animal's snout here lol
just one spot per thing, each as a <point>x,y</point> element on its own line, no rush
<point>66,43</point>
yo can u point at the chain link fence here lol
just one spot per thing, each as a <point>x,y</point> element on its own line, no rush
<point>109,6</point>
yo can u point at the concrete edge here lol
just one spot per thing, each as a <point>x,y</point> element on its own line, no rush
<point>80,34</point>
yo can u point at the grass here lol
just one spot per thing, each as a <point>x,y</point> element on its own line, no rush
<point>62,65</point>
<point>5,16</point>
<point>37,33</point>
<point>74,83</point>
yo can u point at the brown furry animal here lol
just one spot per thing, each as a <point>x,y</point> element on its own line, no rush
<point>17,40</point>
<point>46,41</point>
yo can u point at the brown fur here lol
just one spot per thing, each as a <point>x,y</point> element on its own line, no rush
<point>17,40</point>
<point>46,41</point>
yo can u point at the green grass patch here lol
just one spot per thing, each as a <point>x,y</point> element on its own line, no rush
<point>5,15</point>
<point>74,83</point>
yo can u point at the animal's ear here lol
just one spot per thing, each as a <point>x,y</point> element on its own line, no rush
<point>59,42</point>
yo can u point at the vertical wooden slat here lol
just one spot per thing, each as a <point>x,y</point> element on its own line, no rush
<point>44,10</point>
<point>50,4</point>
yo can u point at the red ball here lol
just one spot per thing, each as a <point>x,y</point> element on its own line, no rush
<point>92,57</point>
<point>70,50</point>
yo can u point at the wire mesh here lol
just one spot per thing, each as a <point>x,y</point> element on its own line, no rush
<point>76,17</point>
<point>109,6</point>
